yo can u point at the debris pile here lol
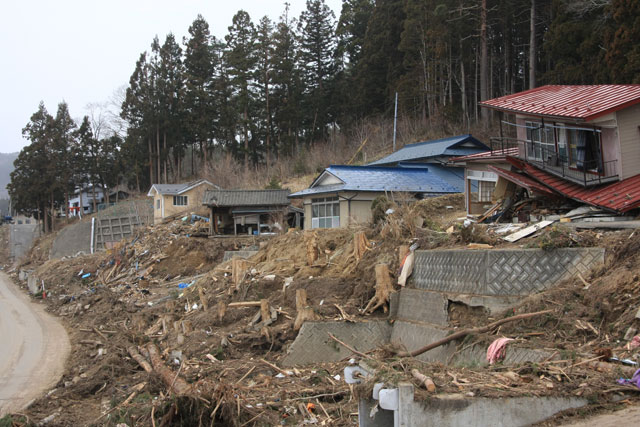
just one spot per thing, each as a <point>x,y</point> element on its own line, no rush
<point>164,331</point>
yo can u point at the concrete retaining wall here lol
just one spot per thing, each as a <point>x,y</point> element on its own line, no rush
<point>72,239</point>
<point>500,272</point>
<point>458,411</point>
<point>313,344</point>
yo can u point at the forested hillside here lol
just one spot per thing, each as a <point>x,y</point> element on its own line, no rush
<point>269,95</point>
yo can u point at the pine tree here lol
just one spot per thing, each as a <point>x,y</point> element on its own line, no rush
<point>240,60</point>
<point>317,48</point>
<point>171,94</point>
<point>287,85</point>
<point>380,66</point>
<point>264,51</point>
<point>62,154</point>
<point>199,63</point>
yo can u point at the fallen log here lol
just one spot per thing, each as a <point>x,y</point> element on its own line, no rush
<point>463,333</point>
<point>175,383</point>
<point>144,364</point>
<point>424,380</point>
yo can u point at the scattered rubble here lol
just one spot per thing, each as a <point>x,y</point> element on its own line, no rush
<point>164,332</point>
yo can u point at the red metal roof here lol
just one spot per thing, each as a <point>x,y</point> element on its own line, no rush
<point>522,180</point>
<point>621,196</point>
<point>488,155</point>
<point>576,102</point>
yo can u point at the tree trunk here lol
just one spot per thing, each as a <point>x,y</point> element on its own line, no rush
<point>165,156</point>
<point>93,193</point>
<point>484,95</point>
<point>158,152</point>
<point>532,46</point>
<point>151,162</point>
<point>463,89</point>
<point>53,213</point>
<point>81,207</point>
<point>246,139</point>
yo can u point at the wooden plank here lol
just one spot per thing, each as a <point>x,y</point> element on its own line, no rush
<point>514,237</point>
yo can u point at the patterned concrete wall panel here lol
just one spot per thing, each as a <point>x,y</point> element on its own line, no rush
<point>313,345</point>
<point>458,271</point>
<point>500,272</point>
<point>412,336</point>
<point>422,306</point>
<point>526,271</point>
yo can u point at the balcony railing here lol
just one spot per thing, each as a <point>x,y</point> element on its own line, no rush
<point>591,173</point>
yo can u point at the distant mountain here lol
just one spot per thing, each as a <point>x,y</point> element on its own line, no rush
<point>6,167</point>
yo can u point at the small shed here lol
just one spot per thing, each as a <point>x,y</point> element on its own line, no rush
<point>250,211</point>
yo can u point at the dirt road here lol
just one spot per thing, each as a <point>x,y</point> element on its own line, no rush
<point>33,348</point>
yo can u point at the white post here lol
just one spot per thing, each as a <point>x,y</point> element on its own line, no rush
<point>93,225</point>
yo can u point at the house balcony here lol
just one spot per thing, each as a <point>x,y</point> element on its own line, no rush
<point>591,173</point>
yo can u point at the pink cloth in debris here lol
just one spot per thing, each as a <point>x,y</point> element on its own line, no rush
<point>496,350</point>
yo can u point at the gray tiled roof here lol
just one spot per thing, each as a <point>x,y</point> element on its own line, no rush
<point>169,189</point>
<point>233,198</point>
<point>430,149</point>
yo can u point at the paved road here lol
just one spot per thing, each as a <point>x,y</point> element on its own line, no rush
<point>22,236</point>
<point>33,348</point>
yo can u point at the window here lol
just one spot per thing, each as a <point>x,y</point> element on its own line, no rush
<point>158,204</point>
<point>179,200</point>
<point>542,143</point>
<point>325,212</point>
<point>481,191</point>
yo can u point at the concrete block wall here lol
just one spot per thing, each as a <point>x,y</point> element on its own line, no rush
<point>313,344</point>
<point>500,272</point>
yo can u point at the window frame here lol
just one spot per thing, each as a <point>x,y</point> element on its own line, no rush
<point>179,198</point>
<point>325,212</point>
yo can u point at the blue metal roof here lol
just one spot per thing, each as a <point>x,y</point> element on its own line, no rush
<point>454,176</point>
<point>429,149</point>
<point>414,179</point>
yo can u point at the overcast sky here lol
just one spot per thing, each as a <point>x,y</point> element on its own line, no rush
<point>81,51</point>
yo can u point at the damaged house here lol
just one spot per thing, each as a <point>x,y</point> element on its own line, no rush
<point>251,212</point>
<point>579,142</point>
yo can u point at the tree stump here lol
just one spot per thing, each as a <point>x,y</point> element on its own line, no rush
<point>304,311</point>
<point>360,245</point>
<point>239,268</point>
<point>203,299</point>
<point>311,243</point>
<point>384,289</point>
<point>222,310</point>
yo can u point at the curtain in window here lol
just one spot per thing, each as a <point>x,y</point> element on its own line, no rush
<point>581,145</point>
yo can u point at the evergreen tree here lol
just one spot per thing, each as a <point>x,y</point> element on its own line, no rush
<point>264,51</point>
<point>623,41</point>
<point>199,63</point>
<point>171,94</point>
<point>378,70</point>
<point>287,85</point>
<point>317,48</point>
<point>62,159</point>
<point>240,60</point>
